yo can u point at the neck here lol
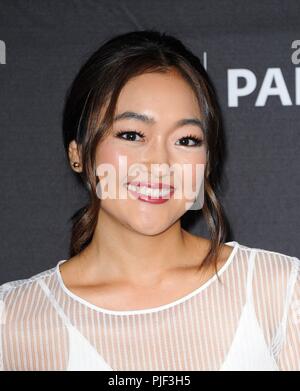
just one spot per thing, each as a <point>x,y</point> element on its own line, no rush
<point>117,251</point>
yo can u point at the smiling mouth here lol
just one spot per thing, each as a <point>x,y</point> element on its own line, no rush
<point>151,191</point>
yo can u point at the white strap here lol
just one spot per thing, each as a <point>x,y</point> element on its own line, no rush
<point>281,331</point>
<point>55,303</point>
<point>249,289</point>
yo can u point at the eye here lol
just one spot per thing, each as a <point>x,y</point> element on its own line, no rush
<point>132,134</point>
<point>196,140</point>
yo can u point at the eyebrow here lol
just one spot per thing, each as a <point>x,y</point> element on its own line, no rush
<point>150,120</point>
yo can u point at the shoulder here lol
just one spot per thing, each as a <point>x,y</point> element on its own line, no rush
<point>272,262</point>
<point>276,280</point>
<point>274,268</point>
<point>29,325</point>
<point>15,295</point>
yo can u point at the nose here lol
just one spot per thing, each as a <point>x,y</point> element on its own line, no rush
<point>155,156</point>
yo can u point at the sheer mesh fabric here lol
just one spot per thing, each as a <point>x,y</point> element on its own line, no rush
<point>194,332</point>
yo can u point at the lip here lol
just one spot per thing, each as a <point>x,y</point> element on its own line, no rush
<point>159,185</point>
<point>152,200</point>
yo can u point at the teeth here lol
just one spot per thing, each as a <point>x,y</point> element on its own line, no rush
<point>147,191</point>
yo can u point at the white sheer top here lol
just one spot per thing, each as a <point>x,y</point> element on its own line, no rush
<point>249,321</point>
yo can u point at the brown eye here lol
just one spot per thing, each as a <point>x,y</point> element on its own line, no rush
<point>196,140</point>
<point>132,134</point>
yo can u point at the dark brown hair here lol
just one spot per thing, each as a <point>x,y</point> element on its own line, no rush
<point>98,85</point>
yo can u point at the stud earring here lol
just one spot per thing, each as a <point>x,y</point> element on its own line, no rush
<point>76,164</point>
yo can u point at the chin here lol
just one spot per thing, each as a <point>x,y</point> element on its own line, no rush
<point>149,230</point>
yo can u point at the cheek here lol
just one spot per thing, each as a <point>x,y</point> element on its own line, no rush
<point>106,155</point>
<point>198,170</point>
<point>115,159</point>
<point>198,167</point>
<point>113,152</point>
<point>190,169</point>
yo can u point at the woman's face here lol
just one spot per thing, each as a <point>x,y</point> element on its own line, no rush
<point>162,141</point>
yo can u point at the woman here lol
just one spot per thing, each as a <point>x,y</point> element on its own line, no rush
<point>139,292</point>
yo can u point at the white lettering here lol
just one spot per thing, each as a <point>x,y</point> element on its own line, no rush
<point>296,54</point>
<point>267,90</point>
<point>234,91</point>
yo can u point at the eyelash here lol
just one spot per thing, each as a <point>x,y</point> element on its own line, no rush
<point>197,140</point>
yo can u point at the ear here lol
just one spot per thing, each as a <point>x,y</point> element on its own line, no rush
<point>75,155</point>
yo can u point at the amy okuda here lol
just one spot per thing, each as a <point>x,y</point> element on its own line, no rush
<point>138,291</point>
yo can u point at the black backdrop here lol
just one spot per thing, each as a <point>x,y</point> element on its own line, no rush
<point>251,52</point>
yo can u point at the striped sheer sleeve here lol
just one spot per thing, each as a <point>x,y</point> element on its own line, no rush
<point>289,355</point>
<point>1,321</point>
<point>3,289</point>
